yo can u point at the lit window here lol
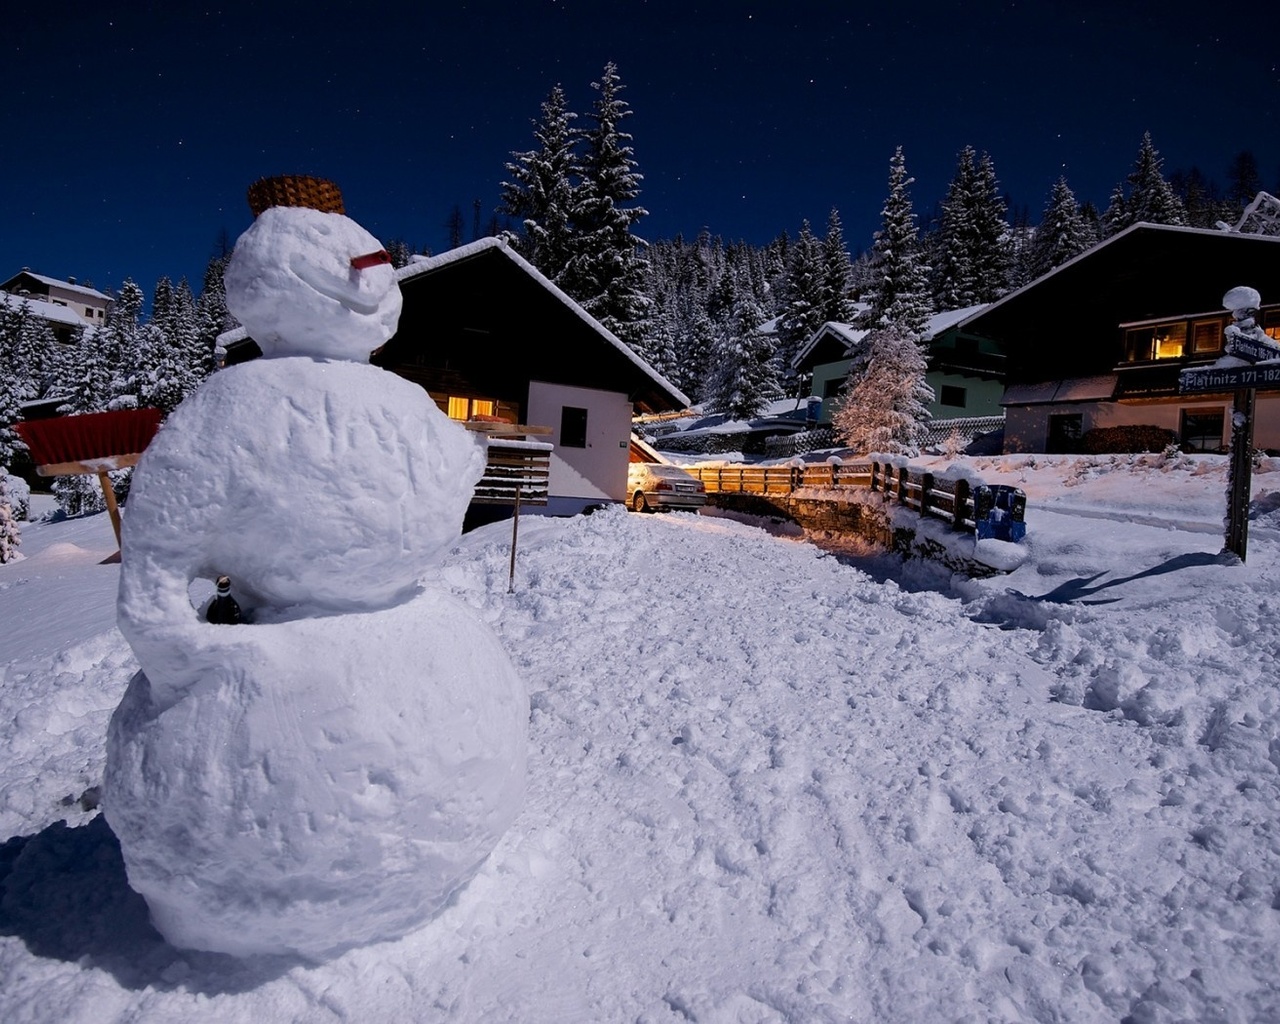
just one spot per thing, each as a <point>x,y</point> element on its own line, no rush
<point>1271,323</point>
<point>471,408</point>
<point>1164,341</point>
<point>1171,341</point>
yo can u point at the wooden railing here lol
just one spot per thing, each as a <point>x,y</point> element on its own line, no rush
<point>950,500</point>
<point>516,471</point>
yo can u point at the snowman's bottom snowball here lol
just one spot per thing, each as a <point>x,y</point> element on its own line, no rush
<point>332,785</point>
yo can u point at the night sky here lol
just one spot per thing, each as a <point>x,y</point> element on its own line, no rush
<point>131,131</point>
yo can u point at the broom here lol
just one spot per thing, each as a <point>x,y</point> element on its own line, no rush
<point>95,442</point>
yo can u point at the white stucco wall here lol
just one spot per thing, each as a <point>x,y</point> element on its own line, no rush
<point>1027,426</point>
<point>599,471</point>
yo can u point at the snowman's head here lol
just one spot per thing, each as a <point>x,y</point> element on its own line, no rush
<point>303,282</point>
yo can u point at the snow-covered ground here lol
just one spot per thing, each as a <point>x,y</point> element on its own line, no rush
<point>765,783</point>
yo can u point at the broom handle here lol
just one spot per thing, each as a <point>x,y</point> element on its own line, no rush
<point>109,495</point>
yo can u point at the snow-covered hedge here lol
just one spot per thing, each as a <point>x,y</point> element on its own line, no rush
<point>1138,437</point>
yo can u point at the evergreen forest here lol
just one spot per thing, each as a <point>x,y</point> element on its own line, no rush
<point>721,319</point>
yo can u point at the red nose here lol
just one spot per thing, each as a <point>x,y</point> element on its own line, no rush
<point>370,259</point>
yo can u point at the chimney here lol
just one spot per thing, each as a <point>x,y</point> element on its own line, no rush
<point>71,280</point>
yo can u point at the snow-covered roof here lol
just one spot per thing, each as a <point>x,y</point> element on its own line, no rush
<point>426,264</point>
<point>232,336</point>
<point>1131,229</point>
<point>948,318</point>
<point>650,452</point>
<point>847,333</point>
<point>852,336</point>
<point>51,311</point>
<point>54,282</point>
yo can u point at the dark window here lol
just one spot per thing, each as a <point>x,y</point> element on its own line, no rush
<point>952,395</point>
<point>1139,344</point>
<point>1202,429</point>
<point>573,427</point>
<point>1064,433</point>
<point>831,388</point>
<point>1206,336</point>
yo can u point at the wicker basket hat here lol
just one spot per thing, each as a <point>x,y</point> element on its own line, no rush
<point>295,190</point>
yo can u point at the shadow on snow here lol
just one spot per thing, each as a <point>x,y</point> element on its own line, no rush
<point>64,893</point>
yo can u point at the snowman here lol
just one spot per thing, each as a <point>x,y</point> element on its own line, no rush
<point>333,771</point>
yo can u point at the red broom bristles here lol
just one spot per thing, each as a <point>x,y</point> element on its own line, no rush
<point>94,435</point>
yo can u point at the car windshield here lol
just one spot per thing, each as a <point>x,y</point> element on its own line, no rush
<point>657,469</point>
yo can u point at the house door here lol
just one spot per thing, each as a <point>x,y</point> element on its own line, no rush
<point>591,431</point>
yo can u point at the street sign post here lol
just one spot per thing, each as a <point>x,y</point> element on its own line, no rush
<point>1253,365</point>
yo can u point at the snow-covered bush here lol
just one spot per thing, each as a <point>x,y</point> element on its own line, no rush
<point>953,445</point>
<point>1137,437</point>
<point>19,495</point>
<point>9,539</point>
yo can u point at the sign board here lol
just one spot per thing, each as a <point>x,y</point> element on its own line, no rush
<point>1203,379</point>
<point>1255,350</point>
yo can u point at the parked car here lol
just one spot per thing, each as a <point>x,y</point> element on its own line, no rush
<point>655,485</point>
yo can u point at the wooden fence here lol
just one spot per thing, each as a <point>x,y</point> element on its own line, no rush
<point>919,490</point>
<point>516,472</point>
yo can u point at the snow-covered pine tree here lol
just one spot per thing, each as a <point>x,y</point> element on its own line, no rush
<point>95,379</point>
<point>802,312</point>
<point>120,350</point>
<point>16,384</point>
<point>87,375</point>
<point>167,365</point>
<point>897,294</point>
<point>31,359</point>
<point>723,294</point>
<point>992,259</point>
<point>1021,239</point>
<point>212,316</point>
<point>1115,218</point>
<point>606,272</point>
<point>663,334</point>
<point>1062,234</point>
<point>400,251</point>
<point>197,355</point>
<point>835,306</point>
<point>973,258</point>
<point>955,261</point>
<point>696,351</point>
<point>542,190</point>
<point>885,404</point>
<point>743,379</point>
<point>1151,198</point>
